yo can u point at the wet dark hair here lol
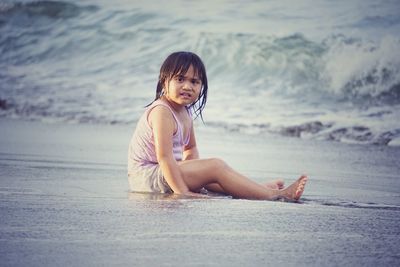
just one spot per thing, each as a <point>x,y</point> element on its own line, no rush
<point>178,63</point>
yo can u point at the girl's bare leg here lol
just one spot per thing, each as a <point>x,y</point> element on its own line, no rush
<point>274,184</point>
<point>202,172</point>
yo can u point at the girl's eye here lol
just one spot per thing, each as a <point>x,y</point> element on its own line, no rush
<point>180,79</point>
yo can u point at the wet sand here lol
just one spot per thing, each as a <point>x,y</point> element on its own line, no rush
<point>65,201</point>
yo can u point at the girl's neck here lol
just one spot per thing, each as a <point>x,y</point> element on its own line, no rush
<point>176,107</point>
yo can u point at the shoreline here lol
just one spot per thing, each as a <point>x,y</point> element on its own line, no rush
<point>262,158</point>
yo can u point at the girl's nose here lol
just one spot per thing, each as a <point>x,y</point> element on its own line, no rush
<point>187,85</point>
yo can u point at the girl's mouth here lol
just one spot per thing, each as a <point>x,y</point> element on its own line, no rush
<point>186,95</point>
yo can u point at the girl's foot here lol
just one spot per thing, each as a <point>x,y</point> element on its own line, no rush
<point>295,190</point>
<point>277,184</point>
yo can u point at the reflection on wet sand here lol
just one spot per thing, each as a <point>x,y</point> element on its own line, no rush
<point>161,196</point>
<point>154,196</point>
<point>158,201</point>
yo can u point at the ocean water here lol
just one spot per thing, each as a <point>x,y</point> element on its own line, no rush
<point>326,70</point>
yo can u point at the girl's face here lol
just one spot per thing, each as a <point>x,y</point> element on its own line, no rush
<point>183,89</point>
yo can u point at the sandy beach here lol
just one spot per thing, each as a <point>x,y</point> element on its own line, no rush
<point>294,87</point>
<point>65,201</point>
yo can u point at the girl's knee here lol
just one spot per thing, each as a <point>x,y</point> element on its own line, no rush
<point>218,163</point>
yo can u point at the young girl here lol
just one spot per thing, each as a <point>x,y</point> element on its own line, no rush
<point>163,155</point>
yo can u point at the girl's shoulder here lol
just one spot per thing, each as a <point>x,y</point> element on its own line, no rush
<point>159,106</point>
<point>164,109</point>
<point>160,112</point>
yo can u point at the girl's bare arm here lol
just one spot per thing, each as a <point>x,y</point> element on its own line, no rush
<point>190,151</point>
<point>163,124</point>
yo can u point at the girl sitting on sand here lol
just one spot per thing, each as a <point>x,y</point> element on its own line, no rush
<point>163,155</point>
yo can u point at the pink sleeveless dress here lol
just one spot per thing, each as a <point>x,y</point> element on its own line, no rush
<point>144,172</point>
